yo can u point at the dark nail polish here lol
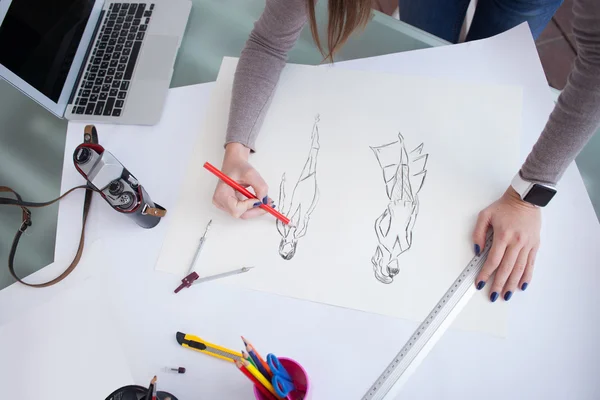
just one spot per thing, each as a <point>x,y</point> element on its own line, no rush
<point>524,285</point>
<point>257,204</point>
<point>494,297</point>
<point>477,250</point>
<point>273,205</point>
<point>480,285</point>
<point>507,296</point>
<point>265,199</point>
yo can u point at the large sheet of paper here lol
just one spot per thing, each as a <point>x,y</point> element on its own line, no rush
<point>383,177</point>
<point>65,349</point>
<point>214,311</point>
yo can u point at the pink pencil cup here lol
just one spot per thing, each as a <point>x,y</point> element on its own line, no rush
<point>299,378</point>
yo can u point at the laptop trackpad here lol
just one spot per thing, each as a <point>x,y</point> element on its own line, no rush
<point>157,56</point>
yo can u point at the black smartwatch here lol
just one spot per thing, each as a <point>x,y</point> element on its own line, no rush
<point>538,194</point>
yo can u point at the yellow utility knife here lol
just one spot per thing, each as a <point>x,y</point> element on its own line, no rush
<point>198,344</point>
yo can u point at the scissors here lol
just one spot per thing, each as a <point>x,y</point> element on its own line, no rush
<point>282,381</point>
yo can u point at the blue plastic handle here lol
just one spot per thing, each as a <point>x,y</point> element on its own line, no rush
<point>282,387</point>
<point>277,368</point>
<point>282,381</point>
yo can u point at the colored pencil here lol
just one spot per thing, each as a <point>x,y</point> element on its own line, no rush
<point>236,186</point>
<point>154,389</point>
<point>260,377</point>
<point>255,381</point>
<point>258,365</point>
<point>150,389</point>
<point>247,357</point>
<point>251,349</point>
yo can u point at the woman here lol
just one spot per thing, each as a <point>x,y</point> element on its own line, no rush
<point>516,222</point>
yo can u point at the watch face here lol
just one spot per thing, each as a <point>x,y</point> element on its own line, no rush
<point>540,195</point>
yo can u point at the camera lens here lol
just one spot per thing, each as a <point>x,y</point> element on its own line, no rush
<point>115,188</point>
<point>83,155</point>
<point>126,200</point>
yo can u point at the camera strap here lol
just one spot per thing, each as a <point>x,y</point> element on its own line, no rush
<point>90,135</point>
<point>26,223</point>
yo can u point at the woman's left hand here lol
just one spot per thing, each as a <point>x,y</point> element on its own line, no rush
<point>516,241</point>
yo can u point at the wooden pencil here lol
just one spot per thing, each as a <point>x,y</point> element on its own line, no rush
<point>247,357</point>
<point>155,388</point>
<point>260,377</point>
<point>255,381</point>
<point>150,389</point>
<point>259,366</point>
<point>236,186</point>
<point>251,349</point>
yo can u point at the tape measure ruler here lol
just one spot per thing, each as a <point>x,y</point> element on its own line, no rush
<point>388,385</point>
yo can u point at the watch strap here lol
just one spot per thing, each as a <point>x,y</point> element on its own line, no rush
<point>521,186</point>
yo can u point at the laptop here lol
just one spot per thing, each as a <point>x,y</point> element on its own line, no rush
<point>93,60</point>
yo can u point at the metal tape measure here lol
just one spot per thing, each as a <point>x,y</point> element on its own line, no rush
<point>423,339</point>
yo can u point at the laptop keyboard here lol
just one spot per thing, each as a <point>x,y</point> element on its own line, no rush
<point>103,90</point>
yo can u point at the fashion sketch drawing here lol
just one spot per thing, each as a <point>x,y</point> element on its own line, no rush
<point>303,202</point>
<point>404,174</point>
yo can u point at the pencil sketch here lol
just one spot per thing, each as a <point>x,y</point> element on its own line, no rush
<point>303,202</point>
<point>404,175</point>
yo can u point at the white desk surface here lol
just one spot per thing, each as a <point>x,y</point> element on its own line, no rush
<point>551,351</point>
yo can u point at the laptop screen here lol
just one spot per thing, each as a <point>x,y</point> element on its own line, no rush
<point>39,39</point>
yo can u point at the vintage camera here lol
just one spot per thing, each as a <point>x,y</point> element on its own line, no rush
<point>115,183</point>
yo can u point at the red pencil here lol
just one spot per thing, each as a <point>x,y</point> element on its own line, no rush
<point>236,186</point>
<point>265,392</point>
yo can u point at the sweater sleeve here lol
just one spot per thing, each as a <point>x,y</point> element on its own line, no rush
<point>260,65</point>
<point>576,115</point>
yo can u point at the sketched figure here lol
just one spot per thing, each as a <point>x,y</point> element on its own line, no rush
<point>404,175</point>
<point>303,201</point>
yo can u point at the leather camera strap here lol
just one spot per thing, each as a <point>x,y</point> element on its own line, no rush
<point>90,135</point>
<point>26,223</point>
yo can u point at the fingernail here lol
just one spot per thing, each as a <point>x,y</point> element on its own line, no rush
<point>507,296</point>
<point>524,285</point>
<point>257,204</point>
<point>273,205</point>
<point>477,250</point>
<point>494,297</point>
<point>480,285</point>
<point>265,199</point>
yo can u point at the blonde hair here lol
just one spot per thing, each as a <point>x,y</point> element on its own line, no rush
<point>345,16</point>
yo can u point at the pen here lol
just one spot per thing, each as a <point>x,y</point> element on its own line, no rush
<point>193,275</point>
<point>236,186</point>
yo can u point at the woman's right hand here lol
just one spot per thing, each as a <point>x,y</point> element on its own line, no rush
<point>237,167</point>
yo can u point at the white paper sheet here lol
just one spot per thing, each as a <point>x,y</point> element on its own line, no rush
<point>65,349</point>
<point>356,111</point>
<point>569,237</point>
<point>478,62</point>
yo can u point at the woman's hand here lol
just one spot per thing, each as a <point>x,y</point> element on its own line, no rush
<point>237,167</point>
<point>516,241</point>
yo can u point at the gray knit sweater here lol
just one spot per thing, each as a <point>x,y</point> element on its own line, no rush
<point>572,123</point>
